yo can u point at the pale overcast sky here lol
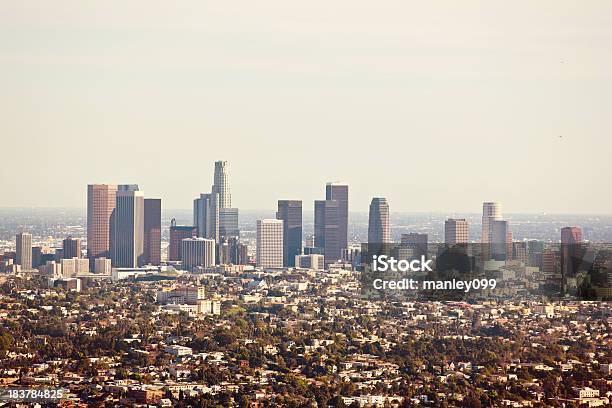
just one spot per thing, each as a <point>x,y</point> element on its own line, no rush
<point>437,105</point>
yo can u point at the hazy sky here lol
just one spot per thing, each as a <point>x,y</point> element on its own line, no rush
<point>436,105</point>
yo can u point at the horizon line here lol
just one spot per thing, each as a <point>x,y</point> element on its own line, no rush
<point>355,212</point>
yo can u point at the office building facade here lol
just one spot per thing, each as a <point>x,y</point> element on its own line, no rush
<point>128,229</point>
<point>23,256</point>
<point>290,212</point>
<point>152,231</point>
<point>101,202</point>
<point>378,222</point>
<point>269,253</point>
<point>456,231</point>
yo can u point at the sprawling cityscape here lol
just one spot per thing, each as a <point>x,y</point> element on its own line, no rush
<point>127,304</point>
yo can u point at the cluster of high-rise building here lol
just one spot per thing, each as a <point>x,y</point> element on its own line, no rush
<point>124,231</point>
<point>123,225</point>
<point>280,240</point>
<point>456,230</point>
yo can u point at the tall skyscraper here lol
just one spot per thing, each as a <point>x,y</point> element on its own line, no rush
<point>101,201</point>
<point>177,234</point>
<point>339,192</point>
<point>499,232</point>
<point>152,231</point>
<point>72,248</point>
<point>378,222</point>
<point>571,235</point>
<point>24,250</point>
<point>197,252</point>
<point>332,248</point>
<point>331,222</point>
<point>269,243</point>
<point>456,231</point>
<point>571,253</point>
<point>213,214</point>
<point>319,224</point>
<point>490,211</point>
<point>290,212</point>
<point>221,184</point>
<point>37,256</point>
<point>128,229</point>
<point>206,215</point>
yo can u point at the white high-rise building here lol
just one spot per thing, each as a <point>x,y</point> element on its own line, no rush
<point>221,185</point>
<point>197,252</point>
<point>269,243</point>
<point>128,228</point>
<point>491,211</point>
<point>213,214</point>
<point>24,250</point>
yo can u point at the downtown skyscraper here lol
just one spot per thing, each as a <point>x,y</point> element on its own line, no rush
<point>378,222</point>
<point>290,212</point>
<point>152,231</point>
<point>496,233</point>
<point>456,231</point>
<point>327,227</point>
<point>221,184</point>
<point>101,202</point>
<point>331,222</point>
<point>499,238</point>
<point>206,215</point>
<point>213,215</point>
<point>269,251</point>
<point>339,192</point>
<point>490,211</point>
<point>128,228</point>
<point>571,254</point>
<point>23,242</point>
